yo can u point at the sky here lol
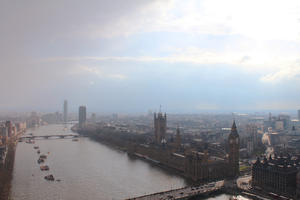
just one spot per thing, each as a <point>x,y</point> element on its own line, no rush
<point>131,56</point>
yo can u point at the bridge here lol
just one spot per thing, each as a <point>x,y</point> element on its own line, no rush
<point>31,137</point>
<point>183,193</point>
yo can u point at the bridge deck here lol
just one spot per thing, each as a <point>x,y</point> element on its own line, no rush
<point>50,136</point>
<point>183,193</point>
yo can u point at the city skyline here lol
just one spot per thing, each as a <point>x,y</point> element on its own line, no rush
<point>139,99</point>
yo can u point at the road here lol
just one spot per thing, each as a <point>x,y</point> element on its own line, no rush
<point>183,192</point>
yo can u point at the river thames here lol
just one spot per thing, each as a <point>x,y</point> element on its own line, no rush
<point>86,169</point>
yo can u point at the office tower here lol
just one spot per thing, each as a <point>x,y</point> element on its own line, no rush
<point>65,111</point>
<point>251,130</point>
<point>82,116</point>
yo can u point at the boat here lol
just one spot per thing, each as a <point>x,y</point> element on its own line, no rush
<point>49,177</point>
<point>40,160</point>
<point>44,167</point>
<point>38,151</point>
<point>35,147</point>
<point>75,140</point>
<point>43,156</point>
<point>30,141</point>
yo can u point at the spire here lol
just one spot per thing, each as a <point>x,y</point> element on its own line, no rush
<point>233,125</point>
<point>234,130</point>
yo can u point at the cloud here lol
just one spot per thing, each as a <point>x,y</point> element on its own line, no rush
<point>101,73</point>
<point>285,74</point>
<point>245,59</point>
<point>273,20</point>
<point>61,48</point>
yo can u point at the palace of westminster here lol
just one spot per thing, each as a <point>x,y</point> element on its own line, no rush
<point>278,174</point>
<point>200,161</point>
<point>193,164</point>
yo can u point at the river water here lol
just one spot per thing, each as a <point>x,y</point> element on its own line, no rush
<point>87,170</point>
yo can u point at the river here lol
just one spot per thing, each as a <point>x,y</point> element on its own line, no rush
<point>87,170</point>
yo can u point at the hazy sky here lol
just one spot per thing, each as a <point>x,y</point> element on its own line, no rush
<point>133,55</point>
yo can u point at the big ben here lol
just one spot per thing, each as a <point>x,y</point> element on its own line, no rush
<point>234,148</point>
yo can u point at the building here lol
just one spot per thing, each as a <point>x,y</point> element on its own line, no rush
<point>9,127</point>
<point>3,134</point>
<point>201,166</point>
<point>277,174</point>
<point>178,138</point>
<point>82,116</point>
<point>251,130</point>
<point>252,139</point>
<point>160,127</point>
<point>234,150</point>
<point>93,118</point>
<point>250,146</point>
<point>52,118</point>
<point>65,111</point>
<point>279,125</point>
<point>33,121</point>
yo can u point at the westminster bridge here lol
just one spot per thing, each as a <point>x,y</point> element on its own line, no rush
<point>184,193</point>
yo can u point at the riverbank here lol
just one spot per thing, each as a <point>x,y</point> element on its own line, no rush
<point>87,169</point>
<point>130,147</point>
<point>168,158</point>
<point>6,171</point>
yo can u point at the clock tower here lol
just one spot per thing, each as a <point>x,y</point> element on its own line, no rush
<point>234,151</point>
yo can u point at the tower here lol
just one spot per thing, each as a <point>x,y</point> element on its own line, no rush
<point>82,116</point>
<point>298,186</point>
<point>178,138</point>
<point>234,148</point>
<point>160,126</point>
<point>65,111</point>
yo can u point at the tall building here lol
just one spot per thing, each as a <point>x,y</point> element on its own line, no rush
<point>160,127</point>
<point>65,111</point>
<point>299,114</point>
<point>234,150</point>
<point>82,116</point>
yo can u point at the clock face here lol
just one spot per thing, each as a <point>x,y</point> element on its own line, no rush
<point>237,140</point>
<point>231,141</point>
